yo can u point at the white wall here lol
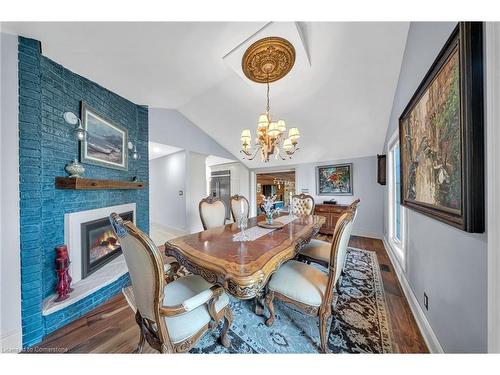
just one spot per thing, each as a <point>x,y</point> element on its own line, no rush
<point>365,187</point>
<point>493,176</point>
<point>182,171</point>
<point>170,127</point>
<point>449,265</point>
<point>196,190</point>
<point>10,277</point>
<point>167,176</point>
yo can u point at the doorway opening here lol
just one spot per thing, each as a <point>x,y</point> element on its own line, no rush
<point>281,184</point>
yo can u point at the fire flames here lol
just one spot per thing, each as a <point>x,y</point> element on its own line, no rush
<point>104,244</point>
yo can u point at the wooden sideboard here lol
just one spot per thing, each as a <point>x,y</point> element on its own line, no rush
<point>331,212</point>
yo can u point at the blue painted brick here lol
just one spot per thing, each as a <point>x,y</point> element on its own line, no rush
<point>46,91</point>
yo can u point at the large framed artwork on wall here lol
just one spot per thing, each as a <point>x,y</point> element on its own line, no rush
<point>442,136</point>
<point>334,179</point>
<point>106,142</point>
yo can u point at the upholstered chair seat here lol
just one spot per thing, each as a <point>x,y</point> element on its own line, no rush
<point>307,287</point>
<point>172,314</point>
<point>300,282</point>
<point>193,293</point>
<point>317,251</point>
<point>302,205</point>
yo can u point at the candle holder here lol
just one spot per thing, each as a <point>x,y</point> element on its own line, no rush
<point>63,287</point>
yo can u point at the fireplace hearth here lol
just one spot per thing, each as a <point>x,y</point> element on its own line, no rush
<point>99,243</point>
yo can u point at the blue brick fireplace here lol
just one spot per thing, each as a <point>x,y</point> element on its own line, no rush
<point>46,145</point>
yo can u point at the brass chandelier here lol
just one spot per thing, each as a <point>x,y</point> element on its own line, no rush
<point>265,61</point>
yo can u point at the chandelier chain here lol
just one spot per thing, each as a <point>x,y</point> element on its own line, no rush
<point>268,108</point>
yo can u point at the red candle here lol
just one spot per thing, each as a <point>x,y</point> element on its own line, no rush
<point>62,251</point>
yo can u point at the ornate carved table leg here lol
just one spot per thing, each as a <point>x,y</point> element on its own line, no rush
<point>269,303</point>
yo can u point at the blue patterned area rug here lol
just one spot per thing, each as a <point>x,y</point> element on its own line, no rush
<point>359,324</point>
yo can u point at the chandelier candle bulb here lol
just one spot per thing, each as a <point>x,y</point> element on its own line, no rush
<point>294,134</point>
<point>246,135</point>
<point>273,129</point>
<point>281,126</point>
<point>263,120</point>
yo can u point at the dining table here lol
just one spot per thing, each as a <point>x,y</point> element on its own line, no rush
<point>243,266</point>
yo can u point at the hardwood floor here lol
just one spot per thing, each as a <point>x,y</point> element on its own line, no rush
<point>406,333</point>
<point>111,328</point>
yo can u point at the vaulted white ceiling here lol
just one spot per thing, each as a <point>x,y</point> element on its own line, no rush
<point>341,104</point>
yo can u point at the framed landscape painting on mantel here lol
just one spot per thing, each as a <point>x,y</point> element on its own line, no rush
<point>106,142</point>
<point>334,179</point>
<point>442,137</point>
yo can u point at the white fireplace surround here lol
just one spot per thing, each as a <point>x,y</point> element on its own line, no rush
<point>73,232</point>
<point>105,275</point>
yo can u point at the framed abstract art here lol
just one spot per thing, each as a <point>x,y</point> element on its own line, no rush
<point>334,179</point>
<point>442,137</point>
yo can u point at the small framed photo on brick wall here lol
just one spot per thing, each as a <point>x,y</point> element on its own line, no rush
<point>106,143</point>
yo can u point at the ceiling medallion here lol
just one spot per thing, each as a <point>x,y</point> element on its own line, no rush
<point>268,59</point>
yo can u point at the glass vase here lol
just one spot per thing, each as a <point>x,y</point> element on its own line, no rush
<point>269,218</point>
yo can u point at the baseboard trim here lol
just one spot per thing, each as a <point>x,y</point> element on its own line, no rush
<point>423,324</point>
<point>362,233</point>
<point>12,343</point>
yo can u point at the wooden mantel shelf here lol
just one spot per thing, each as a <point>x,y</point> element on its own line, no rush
<point>95,184</point>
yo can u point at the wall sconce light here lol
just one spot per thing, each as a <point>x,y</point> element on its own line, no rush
<point>133,148</point>
<point>79,132</point>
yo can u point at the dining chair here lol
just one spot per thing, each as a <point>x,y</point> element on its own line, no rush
<point>318,251</point>
<point>236,206</point>
<point>212,212</point>
<point>302,204</point>
<point>307,287</point>
<point>171,316</point>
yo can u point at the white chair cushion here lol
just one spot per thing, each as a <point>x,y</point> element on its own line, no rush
<point>302,206</point>
<point>318,249</point>
<point>191,288</point>
<point>214,215</point>
<point>300,282</point>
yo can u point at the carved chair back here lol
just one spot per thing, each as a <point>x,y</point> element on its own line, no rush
<point>354,207</point>
<point>302,204</point>
<point>236,209</point>
<point>212,212</point>
<point>145,266</point>
<point>340,242</point>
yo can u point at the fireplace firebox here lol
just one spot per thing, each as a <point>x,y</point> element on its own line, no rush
<point>99,243</point>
